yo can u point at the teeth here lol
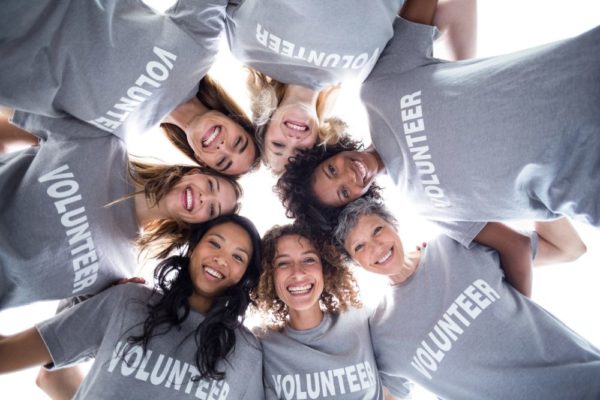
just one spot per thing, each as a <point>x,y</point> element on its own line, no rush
<point>188,199</point>
<point>214,272</point>
<point>213,135</point>
<point>296,127</point>
<point>362,169</point>
<point>385,257</point>
<point>300,289</point>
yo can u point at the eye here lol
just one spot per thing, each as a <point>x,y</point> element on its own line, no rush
<point>211,185</point>
<point>310,260</point>
<point>278,145</point>
<point>331,169</point>
<point>345,193</point>
<point>238,258</point>
<point>282,264</point>
<point>377,230</point>
<point>214,244</point>
<point>221,161</point>
<point>212,211</point>
<point>237,141</point>
<point>359,247</point>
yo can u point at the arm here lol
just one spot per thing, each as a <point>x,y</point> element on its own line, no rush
<point>514,249</point>
<point>23,350</point>
<point>419,11</point>
<point>457,22</point>
<point>11,135</point>
<point>558,242</point>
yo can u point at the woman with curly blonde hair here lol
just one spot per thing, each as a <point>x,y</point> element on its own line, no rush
<point>312,298</point>
<point>290,118</point>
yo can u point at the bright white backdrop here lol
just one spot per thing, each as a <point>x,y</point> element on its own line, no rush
<point>569,291</point>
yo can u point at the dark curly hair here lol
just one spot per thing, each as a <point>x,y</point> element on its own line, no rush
<point>215,336</point>
<point>340,288</point>
<point>294,187</point>
<point>214,97</point>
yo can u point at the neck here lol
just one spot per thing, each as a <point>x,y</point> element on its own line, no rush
<point>144,212</point>
<point>200,303</point>
<point>183,115</point>
<point>305,319</point>
<point>409,267</point>
<point>295,94</point>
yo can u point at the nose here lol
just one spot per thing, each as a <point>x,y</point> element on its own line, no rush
<point>297,269</point>
<point>220,261</point>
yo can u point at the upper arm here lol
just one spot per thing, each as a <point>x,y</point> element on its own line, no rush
<point>23,350</point>
<point>558,242</point>
<point>419,11</point>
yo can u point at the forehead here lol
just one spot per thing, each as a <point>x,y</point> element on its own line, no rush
<point>293,243</point>
<point>363,227</point>
<point>231,233</point>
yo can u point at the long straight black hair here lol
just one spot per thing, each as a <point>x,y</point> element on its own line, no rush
<point>215,336</point>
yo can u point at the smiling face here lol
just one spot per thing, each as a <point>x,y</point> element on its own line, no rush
<point>298,275</point>
<point>219,261</point>
<point>221,143</point>
<point>199,197</point>
<point>292,128</point>
<point>344,177</point>
<point>375,245</point>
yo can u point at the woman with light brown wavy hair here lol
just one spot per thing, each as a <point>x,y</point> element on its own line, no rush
<point>317,325</point>
<point>214,131</point>
<point>290,118</point>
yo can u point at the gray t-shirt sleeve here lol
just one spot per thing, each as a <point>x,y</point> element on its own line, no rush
<point>411,46</point>
<point>56,127</point>
<point>76,333</point>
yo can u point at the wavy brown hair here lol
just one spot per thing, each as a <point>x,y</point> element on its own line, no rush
<point>214,97</point>
<point>265,95</point>
<point>340,288</point>
<point>161,236</point>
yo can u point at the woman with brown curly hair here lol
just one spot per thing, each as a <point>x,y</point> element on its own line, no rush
<point>312,299</point>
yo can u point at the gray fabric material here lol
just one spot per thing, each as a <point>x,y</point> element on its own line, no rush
<point>510,137</point>
<point>332,360</point>
<point>115,63</point>
<point>458,329</point>
<point>57,240</point>
<point>310,43</point>
<point>100,327</point>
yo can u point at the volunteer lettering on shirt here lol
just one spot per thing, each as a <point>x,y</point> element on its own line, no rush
<point>157,71</point>
<point>64,189</point>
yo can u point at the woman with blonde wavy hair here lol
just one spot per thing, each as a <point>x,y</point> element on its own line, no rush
<point>311,299</point>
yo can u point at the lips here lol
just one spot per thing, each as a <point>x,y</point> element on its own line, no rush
<point>188,199</point>
<point>296,129</point>
<point>384,258</point>
<point>213,273</point>
<point>211,135</point>
<point>361,172</point>
<point>300,289</point>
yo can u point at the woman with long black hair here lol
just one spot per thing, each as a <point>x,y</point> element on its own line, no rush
<point>183,338</point>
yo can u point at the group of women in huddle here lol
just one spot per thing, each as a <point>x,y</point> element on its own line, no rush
<point>473,142</point>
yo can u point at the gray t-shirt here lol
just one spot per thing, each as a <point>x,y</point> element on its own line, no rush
<point>333,360</point>
<point>57,238</point>
<point>510,137</point>
<point>100,326</point>
<point>116,64</point>
<point>311,43</point>
<point>458,329</point>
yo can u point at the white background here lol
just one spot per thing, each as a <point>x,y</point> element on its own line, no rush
<point>569,291</point>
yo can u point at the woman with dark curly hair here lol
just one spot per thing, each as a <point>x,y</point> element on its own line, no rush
<point>452,322</point>
<point>183,338</point>
<point>318,343</point>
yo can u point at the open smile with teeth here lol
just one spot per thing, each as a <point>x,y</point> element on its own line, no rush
<point>385,257</point>
<point>189,199</point>
<point>300,289</point>
<point>297,126</point>
<point>208,140</point>
<point>213,272</point>
<point>361,170</point>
